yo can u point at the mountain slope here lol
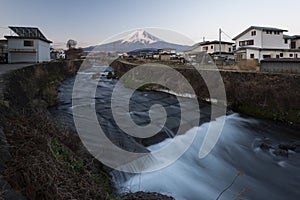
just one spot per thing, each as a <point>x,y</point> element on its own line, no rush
<point>137,40</point>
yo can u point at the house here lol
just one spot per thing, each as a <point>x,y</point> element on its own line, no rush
<point>27,44</point>
<point>294,41</point>
<point>214,48</point>
<point>167,51</point>
<point>258,43</point>
<point>165,57</point>
<point>3,51</point>
<point>166,54</point>
<point>57,54</point>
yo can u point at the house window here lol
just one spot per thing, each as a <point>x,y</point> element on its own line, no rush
<point>269,32</point>
<point>252,55</point>
<point>253,33</point>
<point>293,45</point>
<point>277,56</point>
<point>250,42</point>
<point>246,42</point>
<point>229,49</point>
<point>28,43</point>
<point>277,32</point>
<point>266,56</point>
<point>296,55</point>
<point>291,55</point>
<point>281,55</point>
<point>212,47</point>
<point>285,41</point>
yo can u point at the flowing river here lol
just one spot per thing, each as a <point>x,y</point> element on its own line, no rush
<point>253,159</point>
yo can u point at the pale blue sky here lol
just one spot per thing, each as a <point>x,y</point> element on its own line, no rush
<point>92,21</point>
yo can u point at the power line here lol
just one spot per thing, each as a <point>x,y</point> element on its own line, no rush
<point>226,34</point>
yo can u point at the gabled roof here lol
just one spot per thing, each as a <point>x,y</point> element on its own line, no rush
<point>293,37</point>
<point>28,32</point>
<point>259,28</point>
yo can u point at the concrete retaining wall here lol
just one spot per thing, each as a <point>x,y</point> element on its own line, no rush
<point>280,66</point>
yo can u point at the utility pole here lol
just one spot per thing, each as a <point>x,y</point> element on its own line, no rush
<point>220,43</point>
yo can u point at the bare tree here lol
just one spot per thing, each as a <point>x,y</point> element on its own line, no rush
<point>71,44</point>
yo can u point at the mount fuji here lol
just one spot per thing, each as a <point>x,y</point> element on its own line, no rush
<point>139,39</point>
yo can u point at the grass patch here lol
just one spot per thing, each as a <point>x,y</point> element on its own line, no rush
<point>63,154</point>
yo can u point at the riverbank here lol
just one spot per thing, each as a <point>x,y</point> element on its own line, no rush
<point>39,158</point>
<point>259,94</point>
<point>46,161</point>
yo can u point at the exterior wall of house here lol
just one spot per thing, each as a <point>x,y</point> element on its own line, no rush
<point>255,53</point>
<point>18,52</point>
<point>43,51</point>
<point>213,48</point>
<point>262,54</point>
<point>274,41</point>
<point>262,39</point>
<point>22,57</point>
<point>14,43</point>
<point>247,36</point>
<point>166,57</point>
<point>297,41</point>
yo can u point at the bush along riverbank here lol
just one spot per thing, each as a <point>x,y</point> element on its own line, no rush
<point>43,160</point>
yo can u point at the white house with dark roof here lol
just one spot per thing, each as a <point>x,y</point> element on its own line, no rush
<point>264,43</point>
<point>293,40</point>
<point>27,44</point>
<point>213,48</point>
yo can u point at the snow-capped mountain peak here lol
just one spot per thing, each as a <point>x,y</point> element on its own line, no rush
<point>140,36</point>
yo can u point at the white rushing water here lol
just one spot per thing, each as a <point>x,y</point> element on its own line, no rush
<point>264,175</point>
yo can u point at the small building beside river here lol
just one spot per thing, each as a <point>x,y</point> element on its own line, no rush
<point>27,45</point>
